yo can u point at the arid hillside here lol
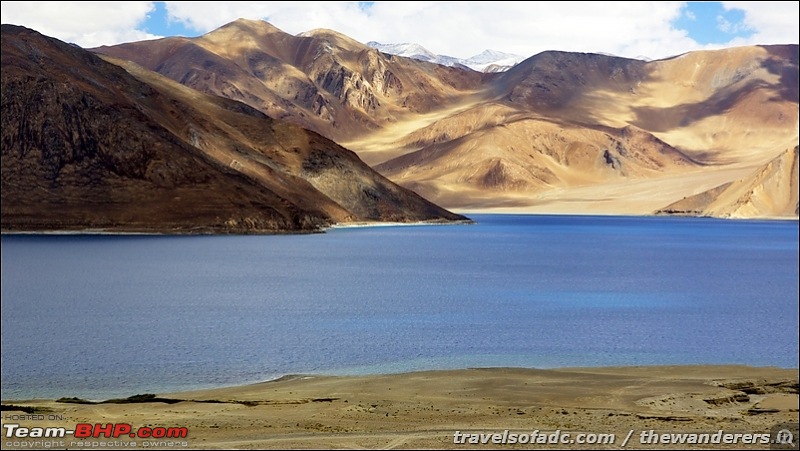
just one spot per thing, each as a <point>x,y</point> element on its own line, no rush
<point>581,133</point>
<point>87,144</point>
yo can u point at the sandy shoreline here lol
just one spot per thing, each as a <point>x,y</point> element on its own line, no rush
<point>339,225</point>
<point>424,409</point>
<point>377,224</point>
<point>371,224</point>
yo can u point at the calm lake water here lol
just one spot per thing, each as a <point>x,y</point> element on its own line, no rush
<point>109,316</point>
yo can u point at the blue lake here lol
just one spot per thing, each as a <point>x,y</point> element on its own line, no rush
<point>108,316</point>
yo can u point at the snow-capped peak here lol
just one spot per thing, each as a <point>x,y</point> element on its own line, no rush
<point>488,56</point>
<point>493,61</point>
<point>415,51</point>
<point>488,60</point>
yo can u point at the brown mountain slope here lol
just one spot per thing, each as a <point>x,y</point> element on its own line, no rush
<point>563,82</point>
<point>321,79</point>
<point>511,155</point>
<point>724,106</point>
<point>87,144</point>
<point>770,191</point>
<point>755,85</point>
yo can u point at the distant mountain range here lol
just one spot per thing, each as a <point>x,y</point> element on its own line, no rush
<point>704,133</point>
<point>558,132</point>
<point>486,61</point>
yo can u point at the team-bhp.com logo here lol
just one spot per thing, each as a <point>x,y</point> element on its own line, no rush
<point>97,430</point>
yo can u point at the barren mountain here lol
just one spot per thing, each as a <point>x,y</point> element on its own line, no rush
<point>90,144</point>
<point>532,155</point>
<point>320,79</point>
<point>770,191</point>
<point>558,132</point>
<point>565,132</point>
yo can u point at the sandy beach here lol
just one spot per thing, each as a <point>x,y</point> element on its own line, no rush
<point>425,409</point>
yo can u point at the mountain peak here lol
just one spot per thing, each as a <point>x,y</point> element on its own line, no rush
<point>253,25</point>
<point>489,53</point>
<point>333,37</point>
<point>234,37</point>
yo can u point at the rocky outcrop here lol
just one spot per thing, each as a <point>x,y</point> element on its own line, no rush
<point>770,191</point>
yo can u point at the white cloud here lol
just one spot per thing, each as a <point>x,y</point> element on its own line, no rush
<point>727,26</point>
<point>463,29</point>
<point>773,22</point>
<point>459,29</point>
<point>88,24</point>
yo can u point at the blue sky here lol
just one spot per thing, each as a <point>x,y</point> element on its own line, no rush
<point>460,29</point>
<point>711,23</point>
<point>158,23</point>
